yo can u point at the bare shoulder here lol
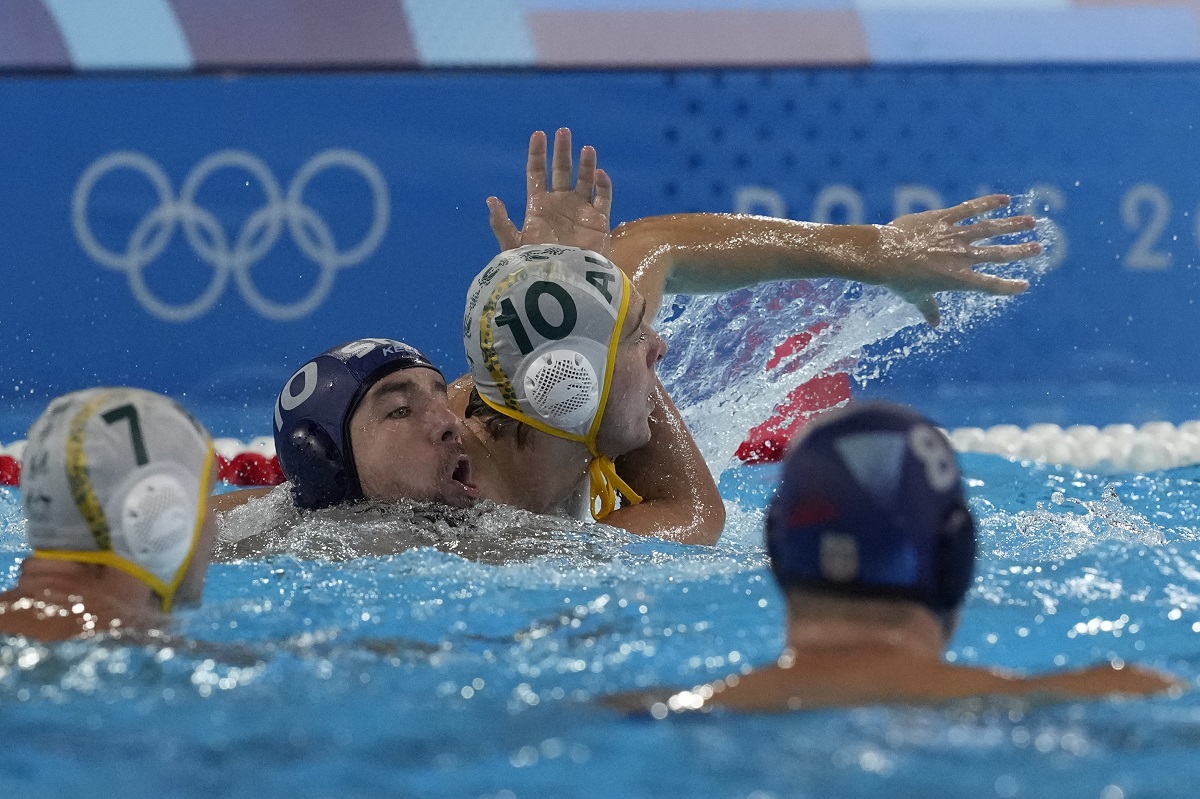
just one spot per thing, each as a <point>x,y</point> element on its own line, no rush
<point>814,683</point>
<point>40,620</point>
<point>1107,679</point>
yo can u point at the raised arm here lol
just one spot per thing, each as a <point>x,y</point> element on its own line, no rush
<point>555,211</point>
<point>680,500</point>
<point>915,255</point>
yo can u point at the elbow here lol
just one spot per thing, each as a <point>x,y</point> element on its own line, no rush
<point>709,523</point>
<point>714,523</point>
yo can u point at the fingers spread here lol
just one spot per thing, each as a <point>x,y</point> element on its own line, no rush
<point>535,166</point>
<point>560,168</point>
<point>507,235</point>
<point>585,184</point>
<point>987,228</point>
<point>604,192</point>
<point>980,205</point>
<point>992,284</point>
<point>1003,253</point>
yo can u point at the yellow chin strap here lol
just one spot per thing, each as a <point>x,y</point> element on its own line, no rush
<point>90,508</point>
<point>605,483</point>
<point>602,472</point>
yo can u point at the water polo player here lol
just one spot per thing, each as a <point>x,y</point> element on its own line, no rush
<point>563,360</point>
<point>916,255</point>
<point>370,420</point>
<point>871,542</point>
<point>115,491</point>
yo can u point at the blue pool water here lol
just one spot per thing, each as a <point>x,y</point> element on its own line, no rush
<point>425,674</point>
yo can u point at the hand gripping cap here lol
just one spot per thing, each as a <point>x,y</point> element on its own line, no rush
<point>313,412</point>
<point>871,504</point>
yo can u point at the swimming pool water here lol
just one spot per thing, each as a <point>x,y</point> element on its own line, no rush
<point>426,674</point>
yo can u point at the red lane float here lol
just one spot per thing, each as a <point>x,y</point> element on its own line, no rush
<point>246,466</point>
<point>10,471</point>
<point>252,469</point>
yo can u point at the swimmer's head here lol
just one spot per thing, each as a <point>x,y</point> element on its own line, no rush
<point>120,477</point>
<point>370,419</point>
<point>871,505</point>
<point>542,329</point>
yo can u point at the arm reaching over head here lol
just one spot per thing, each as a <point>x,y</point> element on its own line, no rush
<point>915,255</point>
<point>556,212</point>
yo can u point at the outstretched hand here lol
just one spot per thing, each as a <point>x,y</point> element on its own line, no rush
<point>555,212</point>
<point>934,251</point>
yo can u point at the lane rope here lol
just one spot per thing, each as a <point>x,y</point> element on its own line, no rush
<point>1118,447</point>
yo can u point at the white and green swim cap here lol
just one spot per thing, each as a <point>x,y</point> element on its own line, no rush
<point>118,477</point>
<point>541,328</point>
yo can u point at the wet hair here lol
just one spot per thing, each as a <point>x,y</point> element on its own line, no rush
<point>497,424</point>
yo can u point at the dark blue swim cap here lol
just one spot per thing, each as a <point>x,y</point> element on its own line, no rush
<point>312,417</point>
<point>871,504</point>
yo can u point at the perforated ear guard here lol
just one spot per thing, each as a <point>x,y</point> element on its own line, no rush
<point>153,516</point>
<point>563,388</point>
<point>324,481</point>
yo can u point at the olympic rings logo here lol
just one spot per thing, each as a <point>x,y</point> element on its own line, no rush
<point>226,254</point>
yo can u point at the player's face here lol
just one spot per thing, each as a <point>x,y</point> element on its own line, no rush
<point>631,398</point>
<point>407,442</point>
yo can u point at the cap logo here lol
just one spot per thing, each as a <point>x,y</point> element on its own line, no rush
<point>839,557</point>
<point>931,448</point>
<point>289,401</point>
<point>489,274</point>
<point>357,349</point>
<point>875,458</point>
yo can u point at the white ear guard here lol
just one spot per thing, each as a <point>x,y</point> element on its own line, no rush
<point>562,387</point>
<point>153,519</point>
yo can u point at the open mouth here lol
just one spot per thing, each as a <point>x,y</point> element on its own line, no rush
<point>462,476</point>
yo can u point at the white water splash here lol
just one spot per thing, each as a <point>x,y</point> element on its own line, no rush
<point>717,370</point>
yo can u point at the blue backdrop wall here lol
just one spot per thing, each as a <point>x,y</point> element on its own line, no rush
<point>203,235</point>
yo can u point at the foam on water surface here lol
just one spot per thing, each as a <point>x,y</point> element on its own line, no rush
<point>399,650</point>
<point>427,672</point>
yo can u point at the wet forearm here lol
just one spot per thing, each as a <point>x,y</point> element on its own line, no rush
<point>708,253</point>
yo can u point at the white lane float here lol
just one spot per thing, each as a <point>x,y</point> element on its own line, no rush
<point>1116,447</point>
